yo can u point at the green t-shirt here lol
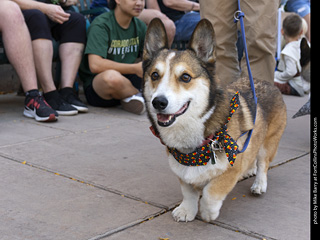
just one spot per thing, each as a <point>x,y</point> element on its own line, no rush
<point>109,40</point>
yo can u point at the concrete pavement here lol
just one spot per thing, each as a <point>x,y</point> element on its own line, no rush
<point>103,175</point>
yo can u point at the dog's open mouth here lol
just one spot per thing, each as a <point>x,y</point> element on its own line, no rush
<point>165,120</point>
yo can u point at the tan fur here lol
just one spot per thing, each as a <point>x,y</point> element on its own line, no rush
<point>208,110</point>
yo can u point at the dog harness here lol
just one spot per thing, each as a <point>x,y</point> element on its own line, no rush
<point>221,140</point>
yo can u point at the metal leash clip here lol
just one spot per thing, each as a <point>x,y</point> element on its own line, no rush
<point>237,15</point>
<point>215,146</point>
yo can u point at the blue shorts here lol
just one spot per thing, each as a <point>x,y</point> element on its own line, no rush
<point>301,7</point>
<point>185,26</point>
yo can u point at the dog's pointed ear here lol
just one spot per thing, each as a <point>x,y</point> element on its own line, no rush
<point>305,52</point>
<point>203,41</point>
<point>155,40</point>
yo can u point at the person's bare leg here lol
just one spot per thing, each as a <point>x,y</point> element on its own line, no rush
<point>113,85</point>
<point>16,39</point>
<point>70,56</point>
<point>43,53</point>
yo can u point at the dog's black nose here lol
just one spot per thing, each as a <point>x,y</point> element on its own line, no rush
<point>160,103</point>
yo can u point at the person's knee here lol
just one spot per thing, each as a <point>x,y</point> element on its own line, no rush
<point>113,80</point>
<point>11,11</point>
<point>10,7</point>
<point>170,28</point>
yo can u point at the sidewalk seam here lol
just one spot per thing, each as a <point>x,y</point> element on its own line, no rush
<point>242,231</point>
<point>88,183</point>
<point>289,160</point>
<point>129,225</point>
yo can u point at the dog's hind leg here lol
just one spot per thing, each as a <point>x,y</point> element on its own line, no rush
<point>260,183</point>
<point>266,154</point>
<point>188,209</point>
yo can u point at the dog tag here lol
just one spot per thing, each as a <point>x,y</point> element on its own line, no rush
<point>213,157</point>
<point>215,146</point>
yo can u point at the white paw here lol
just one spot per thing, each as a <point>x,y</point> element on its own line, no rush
<point>184,213</point>
<point>259,187</point>
<point>209,212</point>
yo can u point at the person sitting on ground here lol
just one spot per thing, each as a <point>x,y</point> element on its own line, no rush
<point>287,78</point>
<point>146,16</point>
<point>184,13</point>
<point>109,69</point>
<point>45,22</point>
<point>17,42</point>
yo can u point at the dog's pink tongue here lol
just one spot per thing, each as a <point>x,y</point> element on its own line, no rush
<point>164,117</point>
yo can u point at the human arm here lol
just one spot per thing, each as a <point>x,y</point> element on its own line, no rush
<point>98,64</point>
<point>152,4</point>
<point>182,5</point>
<point>290,70</point>
<point>54,12</point>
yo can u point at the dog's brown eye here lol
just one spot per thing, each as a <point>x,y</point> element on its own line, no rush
<point>185,78</point>
<point>154,76</point>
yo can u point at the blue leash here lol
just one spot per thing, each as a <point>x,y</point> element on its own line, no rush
<point>238,15</point>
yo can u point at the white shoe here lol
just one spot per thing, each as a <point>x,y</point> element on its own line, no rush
<point>134,104</point>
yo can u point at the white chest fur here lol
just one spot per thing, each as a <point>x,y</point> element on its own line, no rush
<point>199,176</point>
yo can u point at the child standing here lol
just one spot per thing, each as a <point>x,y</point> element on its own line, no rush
<point>109,69</point>
<point>287,78</point>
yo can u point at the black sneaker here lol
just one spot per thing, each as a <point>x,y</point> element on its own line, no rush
<point>54,99</point>
<point>71,97</point>
<point>36,107</point>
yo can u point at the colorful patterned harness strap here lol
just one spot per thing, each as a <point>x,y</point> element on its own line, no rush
<point>200,156</point>
<point>203,154</point>
<point>230,146</point>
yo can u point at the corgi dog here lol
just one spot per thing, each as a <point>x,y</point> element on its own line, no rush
<point>204,124</point>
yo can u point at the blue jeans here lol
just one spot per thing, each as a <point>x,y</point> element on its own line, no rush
<point>186,25</point>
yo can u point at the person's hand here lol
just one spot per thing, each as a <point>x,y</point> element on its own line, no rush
<point>139,70</point>
<point>56,13</point>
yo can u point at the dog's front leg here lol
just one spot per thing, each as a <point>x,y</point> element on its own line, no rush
<point>188,209</point>
<point>214,194</point>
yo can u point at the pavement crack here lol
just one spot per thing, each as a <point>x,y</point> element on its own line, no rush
<point>129,225</point>
<point>241,231</point>
<point>289,160</point>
